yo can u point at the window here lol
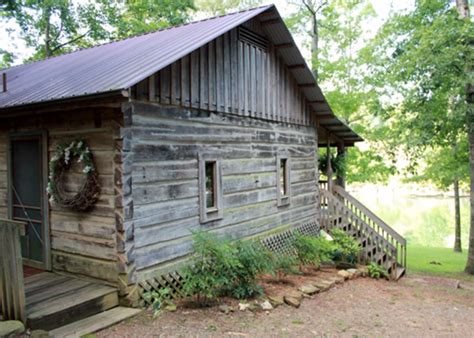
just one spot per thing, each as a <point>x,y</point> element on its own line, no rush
<point>210,195</point>
<point>283,181</point>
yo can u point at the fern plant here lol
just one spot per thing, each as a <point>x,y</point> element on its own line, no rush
<point>377,271</point>
<point>346,248</point>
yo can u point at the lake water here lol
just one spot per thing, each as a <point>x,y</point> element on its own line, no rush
<point>425,217</point>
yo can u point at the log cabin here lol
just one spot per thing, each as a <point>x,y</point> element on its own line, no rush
<point>213,125</point>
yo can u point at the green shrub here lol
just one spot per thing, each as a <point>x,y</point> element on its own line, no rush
<point>220,267</point>
<point>346,248</point>
<point>253,259</point>
<point>377,271</point>
<point>159,299</point>
<point>212,267</point>
<point>311,250</point>
<point>283,265</point>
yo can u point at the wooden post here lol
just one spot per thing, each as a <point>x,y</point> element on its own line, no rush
<point>341,177</point>
<point>329,170</point>
<point>12,290</point>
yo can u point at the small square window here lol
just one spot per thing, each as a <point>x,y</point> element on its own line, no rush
<point>283,181</point>
<point>210,194</point>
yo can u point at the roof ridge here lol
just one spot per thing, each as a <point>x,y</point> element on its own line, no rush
<point>140,35</point>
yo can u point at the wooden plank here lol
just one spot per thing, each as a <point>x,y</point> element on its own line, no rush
<point>52,291</point>
<point>74,306</point>
<point>165,85</point>
<point>211,66</point>
<point>227,74</point>
<point>204,78</point>
<point>195,79</point>
<point>175,79</point>
<point>235,75</point>
<point>95,323</point>
<point>185,81</point>
<point>220,82</point>
<point>12,291</point>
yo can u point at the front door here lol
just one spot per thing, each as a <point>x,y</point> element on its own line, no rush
<point>27,196</point>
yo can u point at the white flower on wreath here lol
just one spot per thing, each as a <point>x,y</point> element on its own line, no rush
<point>67,155</point>
<point>87,169</point>
<point>79,145</point>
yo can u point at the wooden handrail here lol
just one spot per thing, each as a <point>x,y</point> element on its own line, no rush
<point>12,289</point>
<point>340,191</point>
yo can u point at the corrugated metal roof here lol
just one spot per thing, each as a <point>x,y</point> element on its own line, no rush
<point>119,65</point>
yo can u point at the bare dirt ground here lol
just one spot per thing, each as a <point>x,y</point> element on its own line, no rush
<point>415,306</point>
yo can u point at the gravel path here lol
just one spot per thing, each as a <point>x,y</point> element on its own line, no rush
<point>415,306</point>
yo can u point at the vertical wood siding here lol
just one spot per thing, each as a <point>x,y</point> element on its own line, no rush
<point>230,75</point>
<point>166,142</point>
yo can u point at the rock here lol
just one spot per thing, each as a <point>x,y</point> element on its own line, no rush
<point>337,280</point>
<point>226,308</point>
<point>322,285</point>
<point>309,289</point>
<point>170,308</point>
<point>292,301</point>
<point>244,306</point>
<point>10,327</point>
<point>295,294</point>
<point>363,270</point>
<point>354,273</point>
<point>276,300</point>
<point>266,305</point>
<point>344,274</point>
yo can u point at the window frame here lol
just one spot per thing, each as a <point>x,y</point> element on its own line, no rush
<point>214,213</point>
<point>283,200</point>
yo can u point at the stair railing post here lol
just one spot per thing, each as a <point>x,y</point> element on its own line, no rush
<point>329,171</point>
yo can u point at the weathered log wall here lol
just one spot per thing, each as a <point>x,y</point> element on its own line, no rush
<point>165,143</point>
<point>82,243</point>
<point>231,75</point>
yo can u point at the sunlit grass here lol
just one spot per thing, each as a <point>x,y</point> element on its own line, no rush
<point>420,259</point>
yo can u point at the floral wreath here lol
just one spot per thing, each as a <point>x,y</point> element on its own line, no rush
<point>60,163</point>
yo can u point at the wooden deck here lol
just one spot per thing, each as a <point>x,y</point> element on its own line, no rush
<point>54,300</point>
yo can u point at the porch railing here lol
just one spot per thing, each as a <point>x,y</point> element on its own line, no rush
<point>338,206</point>
<point>12,290</point>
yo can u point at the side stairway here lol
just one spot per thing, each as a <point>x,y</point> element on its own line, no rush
<point>70,307</point>
<point>379,242</point>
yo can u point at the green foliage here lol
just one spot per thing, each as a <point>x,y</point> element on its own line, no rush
<point>417,65</point>
<point>159,299</point>
<point>368,166</point>
<point>283,265</point>
<point>377,271</point>
<point>338,163</point>
<point>220,7</point>
<point>253,259</point>
<point>222,267</point>
<point>311,250</point>
<point>346,248</point>
<point>212,267</point>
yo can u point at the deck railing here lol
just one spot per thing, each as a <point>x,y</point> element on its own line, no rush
<point>339,206</point>
<point>12,291</point>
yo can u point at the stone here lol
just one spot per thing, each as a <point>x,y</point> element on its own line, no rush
<point>226,308</point>
<point>276,300</point>
<point>354,273</point>
<point>266,305</point>
<point>309,289</point>
<point>363,270</point>
<point>292,301</point>
<point>170,307</point>
<point>10,327</point>
<point>322,285</point>
<point>244,306</point>
<point>344,274</point>
<point>295,294</point>
<point>337,280</point>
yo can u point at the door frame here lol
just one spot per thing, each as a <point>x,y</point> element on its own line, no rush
<point>43,137</point>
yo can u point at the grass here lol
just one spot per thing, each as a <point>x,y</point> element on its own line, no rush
<point>452,263</point>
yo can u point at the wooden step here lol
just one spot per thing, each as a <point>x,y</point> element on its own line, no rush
<point>400,272</point>
<point>72,304</point>
<point>94,323</point>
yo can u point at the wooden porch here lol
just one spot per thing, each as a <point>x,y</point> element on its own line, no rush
<point>54,300</point>
<point>64,305</point>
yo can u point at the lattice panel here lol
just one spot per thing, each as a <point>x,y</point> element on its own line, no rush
<point>280,243</point>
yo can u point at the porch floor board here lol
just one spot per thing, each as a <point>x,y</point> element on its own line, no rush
<point>55,300</point>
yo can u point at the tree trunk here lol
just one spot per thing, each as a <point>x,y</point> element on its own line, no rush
<point>315,46</point>
<point>463,10</point>
<point>457,218</point>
